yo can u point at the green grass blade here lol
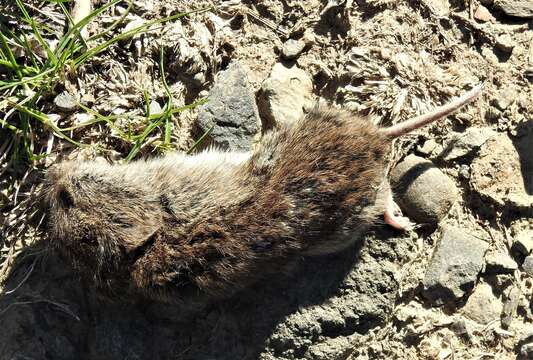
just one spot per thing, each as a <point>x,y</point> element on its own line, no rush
<point>10,56</point>
<point>102,118</point>
<point>43,118</point>
<point>115,24</point>
<point>51,56</point>
<point>168,117</point>
<point>138,30</point>
<point>71,23</point>
<point>68,37</point>
<point>32,79</point>
<point>201,139</point>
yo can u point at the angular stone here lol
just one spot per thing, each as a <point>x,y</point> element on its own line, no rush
<point>505,97</point>
<point>523,243</point>
<point>482,305</point>
<point>285,95</point>
<point>292,48</point>
<point>519,8</point>
<point>155,108</point>
<point>231,112</point>
<point>425,193</point>
<point>465,143</point>
<point>510,305</point>
<point>499,262</point>
<point>428,147</point>
<point>505,43</point>
<point>454,266</point>
<point>503,171</point>
<point>65,101</point>
<point>484,15</point>
<point>527,265</point>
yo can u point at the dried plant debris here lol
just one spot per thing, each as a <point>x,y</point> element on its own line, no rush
<point>123,79</point>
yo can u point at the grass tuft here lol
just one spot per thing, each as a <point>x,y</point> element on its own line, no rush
<point>27,80</point>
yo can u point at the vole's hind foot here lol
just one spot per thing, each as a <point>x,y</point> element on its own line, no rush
<point>394,217</point>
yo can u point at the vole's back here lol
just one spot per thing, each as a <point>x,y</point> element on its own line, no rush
<point>308,189</point>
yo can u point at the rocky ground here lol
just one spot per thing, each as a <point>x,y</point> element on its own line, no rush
<point>457,286</point>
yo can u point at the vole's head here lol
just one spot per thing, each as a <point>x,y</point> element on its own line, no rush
<point>98,216</point>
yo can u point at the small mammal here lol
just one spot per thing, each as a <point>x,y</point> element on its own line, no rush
<point>196,228</point>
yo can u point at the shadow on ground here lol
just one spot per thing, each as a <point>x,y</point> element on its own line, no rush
<point>52,315</point>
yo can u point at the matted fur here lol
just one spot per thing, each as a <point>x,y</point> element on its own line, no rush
<point>191,228</point>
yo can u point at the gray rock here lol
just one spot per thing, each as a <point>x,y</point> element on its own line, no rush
<point>454,266</point>
<point>505,43</point>
<point>499,173</point>
<point>527,265</point>
<point>499,262</point>
<point>65,101</point>
<point>465,143</point>
<point>292,48</point>
<point>482,305</point>
<point>519,8</point>
<point>510,305</point>
<point>505,97</point>
<point>523,243</point>
<point>231,111</point>
<point>285,95</point>
<point>425,193</point>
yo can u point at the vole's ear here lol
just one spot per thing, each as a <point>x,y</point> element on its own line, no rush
<point>138,229</point>
<point>64,197</point>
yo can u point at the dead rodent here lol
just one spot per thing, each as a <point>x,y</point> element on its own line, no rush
<point>183,228</point>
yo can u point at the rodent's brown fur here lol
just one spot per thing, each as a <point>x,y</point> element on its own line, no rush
<point>173,230</point>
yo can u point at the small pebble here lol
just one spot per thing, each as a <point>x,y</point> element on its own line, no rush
<point>505,98</point>
<point>499,262</point>
<point>292,48</point>
<point>482,305</point>
<point>523,243</point>
<point>527,265</point>
<point>464,171</point>
<point>285,95</point>
<point>462,144</point>
<point>428,147</point>
<point>483,15</point>
<point>509,306</point>
<point>518,8</point>
<point>231,113</point>
<point>155,108</point>
<point>505,43</point>
<point>65,101</point>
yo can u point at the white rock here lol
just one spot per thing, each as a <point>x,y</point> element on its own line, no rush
<point>285,95</point>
